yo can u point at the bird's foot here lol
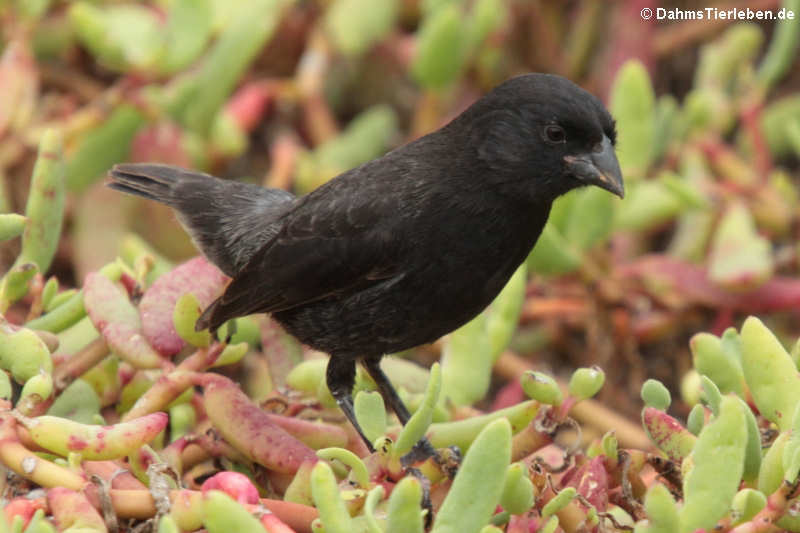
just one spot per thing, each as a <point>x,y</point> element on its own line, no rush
<point>439,463</point>
<point>446,460</point>
<point>449,460</point>
<point>422,451</point>
<point>425,483</point>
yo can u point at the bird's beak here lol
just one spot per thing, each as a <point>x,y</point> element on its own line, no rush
<point>598,167</point>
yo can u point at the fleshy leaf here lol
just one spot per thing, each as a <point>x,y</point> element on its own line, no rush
<point>740,257</point>
<point>197,276</point>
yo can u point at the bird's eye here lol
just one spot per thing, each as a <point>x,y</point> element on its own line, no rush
<point>555,134</point>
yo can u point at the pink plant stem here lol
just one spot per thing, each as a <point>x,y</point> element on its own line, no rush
<point>691,282</point>
<point>75,366</point>
<point>73,509</point>
<point>751,119</point>
<point>187,506</point>
<point>764,521</point>
<point>171,384</point>
<point>16,457</point>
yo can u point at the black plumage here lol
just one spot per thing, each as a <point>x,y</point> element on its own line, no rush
<point>405,248</point>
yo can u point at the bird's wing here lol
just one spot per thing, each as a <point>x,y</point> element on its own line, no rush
<point>323,248</point>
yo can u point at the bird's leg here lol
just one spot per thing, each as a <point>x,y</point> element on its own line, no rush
<point>373,366</point>
<point>422,449</point>
<point>340,377</point>
<point>448,460</point>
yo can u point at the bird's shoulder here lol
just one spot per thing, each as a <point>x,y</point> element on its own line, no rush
<point>385,194</point>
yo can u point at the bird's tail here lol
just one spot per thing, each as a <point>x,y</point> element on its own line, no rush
<point>228,220</point>
<point>154,182</point>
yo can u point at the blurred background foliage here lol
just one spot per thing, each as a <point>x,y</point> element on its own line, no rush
<point>290,93</point>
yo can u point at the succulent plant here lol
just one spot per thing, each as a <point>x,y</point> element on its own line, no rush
<point>114,411</point>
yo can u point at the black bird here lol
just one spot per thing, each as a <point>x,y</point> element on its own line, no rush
<point>405,248</point>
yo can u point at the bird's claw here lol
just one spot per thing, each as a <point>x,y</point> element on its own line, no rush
<point>426,494</point>
<point>447,459</point>
<point>421,451</point>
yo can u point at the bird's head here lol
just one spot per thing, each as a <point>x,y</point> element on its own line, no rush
<point>544,130</point>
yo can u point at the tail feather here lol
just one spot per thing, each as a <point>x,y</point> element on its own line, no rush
<point>206,320</point>
<point>122,187</point>
<point>228,220</point>
<point>152,181</point>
